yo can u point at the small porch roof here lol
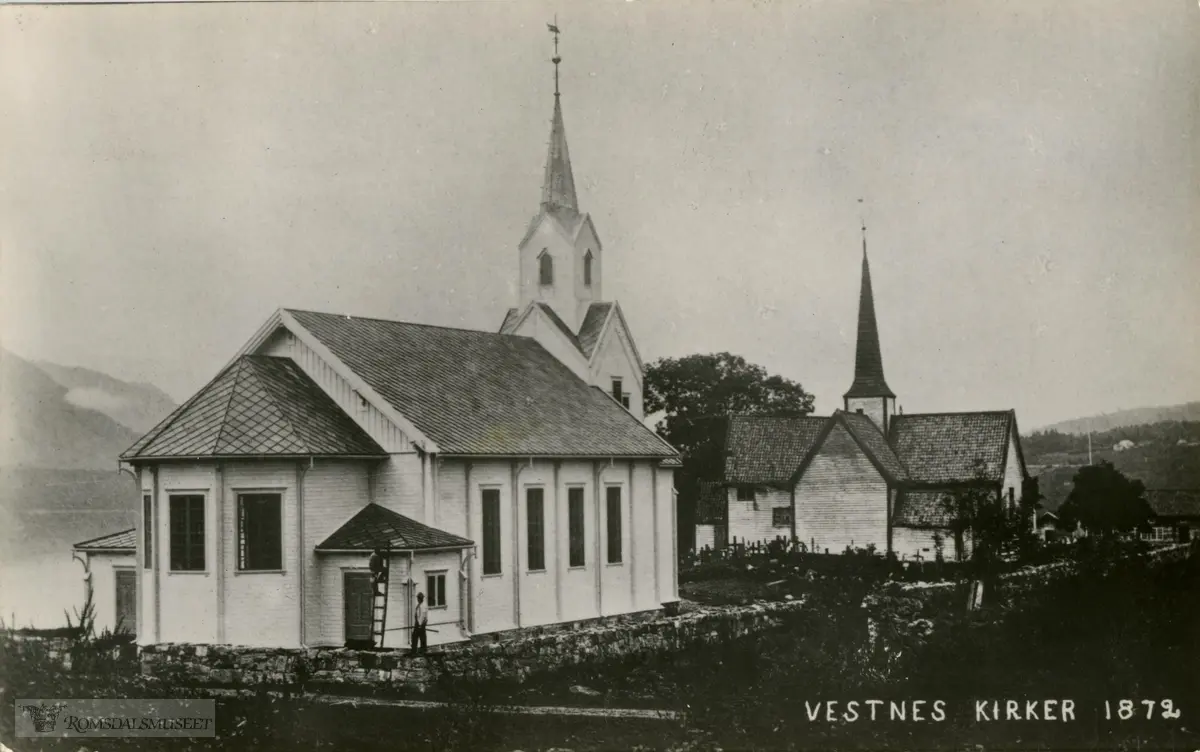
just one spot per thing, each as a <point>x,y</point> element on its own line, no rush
<point>375,526</point>
<point>123,541</point>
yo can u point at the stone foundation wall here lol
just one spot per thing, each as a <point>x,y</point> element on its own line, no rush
<point>517,655</point>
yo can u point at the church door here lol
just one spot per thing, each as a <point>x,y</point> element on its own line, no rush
<point>357,590</point>
<point>126,611</point>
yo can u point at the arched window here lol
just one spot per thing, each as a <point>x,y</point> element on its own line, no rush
<point>587,268</point>
<point>545,269</point>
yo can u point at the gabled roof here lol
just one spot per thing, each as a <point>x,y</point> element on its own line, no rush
<point>868,361</point>
<point>559,323</point>
<point>925,509</point>
<point>510,319</point>
<point>947,448</point>
<point>480,393</point>
<point>768,449</point>
<point>119,542</point>
<point>593,326</point>
<point>875,445</point>
<point>258,406</point>
<point>376,526</point>
<point>1174,502</point>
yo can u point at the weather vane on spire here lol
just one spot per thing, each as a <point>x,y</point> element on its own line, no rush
<point>553,27</point>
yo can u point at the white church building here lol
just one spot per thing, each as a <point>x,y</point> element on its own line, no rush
<point>508,475</point>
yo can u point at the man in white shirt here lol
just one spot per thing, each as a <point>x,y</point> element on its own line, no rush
<point>420,620</point>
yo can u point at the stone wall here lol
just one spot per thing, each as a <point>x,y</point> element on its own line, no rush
<point>518,655</point>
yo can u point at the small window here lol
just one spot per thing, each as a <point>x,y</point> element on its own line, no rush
<point>1012,495</point>
<point>260,532</point>
<point>148,530</point>
<point>575,525</point>
<point>587,268</point>
<point>745,494</point>
<point>545,268</point>
<point>536,523</point>
<point>614,524</point>
<point>187,533</point>
<point>781,517</point>
<point>491,531</point>
<point>617,389</point>
<point>435,589</point>
<point>859,411</point>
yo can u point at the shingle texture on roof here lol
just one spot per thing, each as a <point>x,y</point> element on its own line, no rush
<point>125,540</point>
<point>258,406</point>
<point>376,526</point>
<point>480,393</point>
<point>1174,502</point>
<point>948,447</point>
<point>922,509</point>
<point>768,449</point>
<point>593,326</point>
<point>875,444</point>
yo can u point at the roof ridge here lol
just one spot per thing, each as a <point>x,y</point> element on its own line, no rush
<point>398,321</point>
<point>953,412</point>
<point>174,415</point>
<point>225,413</point>
<point>265,384</point>
<point>106,535</point>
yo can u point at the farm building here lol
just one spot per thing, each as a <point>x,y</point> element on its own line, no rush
<point>111,563</point>
<point>506,476</point>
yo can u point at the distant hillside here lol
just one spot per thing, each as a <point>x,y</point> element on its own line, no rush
<point>1155,465</point>
<point>136,406</point>
<point>43,423</point>
<point>1122,418</point>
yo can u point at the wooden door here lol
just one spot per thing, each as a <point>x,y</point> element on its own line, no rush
<point>126,611</point>
<point>358,594</point>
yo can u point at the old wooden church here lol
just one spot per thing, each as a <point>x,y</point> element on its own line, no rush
<point>864,477</point>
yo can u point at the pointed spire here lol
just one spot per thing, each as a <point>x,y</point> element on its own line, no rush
<point>868,362</point>
<point>558,185</point>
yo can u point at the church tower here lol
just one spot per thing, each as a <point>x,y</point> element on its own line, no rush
<point>560,277</point>
<point>560,255</point>
<point>869,394</point>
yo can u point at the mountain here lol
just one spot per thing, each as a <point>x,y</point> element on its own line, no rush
<point>77,423</point>
<point>1123,418</point>
<point>133,405</point>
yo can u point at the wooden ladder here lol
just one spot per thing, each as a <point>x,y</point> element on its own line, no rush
<point>379,601</point>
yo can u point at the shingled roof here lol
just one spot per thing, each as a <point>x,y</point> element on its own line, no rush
<point>592,327</point>
<point>482,393</point>
<point>119,542</point>
<point>375,526</point>
<point>873,442</point>
<point>258,406</point>
<point>768,449</point>
<point>926,509</point>
<point>940,448</point>
<point>1174,502</point>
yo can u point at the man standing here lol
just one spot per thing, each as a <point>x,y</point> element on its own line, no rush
<point>420,620</point>
<point>378,566</point>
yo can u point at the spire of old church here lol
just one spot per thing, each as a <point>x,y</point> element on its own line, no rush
<point>558,186</point>
<point>868,362</point>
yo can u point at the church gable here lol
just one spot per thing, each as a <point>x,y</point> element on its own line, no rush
<point>841,496</point>
<point>540,322</point>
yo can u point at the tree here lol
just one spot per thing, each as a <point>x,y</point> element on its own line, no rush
<point>979,514</point>
<point>1105,501</point>
<point>695,394</point>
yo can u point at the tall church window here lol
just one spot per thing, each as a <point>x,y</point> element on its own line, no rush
<point>587,269</point>
<point>545,269</point>
<point>491,531</point>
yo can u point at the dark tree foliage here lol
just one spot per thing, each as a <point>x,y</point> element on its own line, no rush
<point>1105,501</point>
<point>695,394</point>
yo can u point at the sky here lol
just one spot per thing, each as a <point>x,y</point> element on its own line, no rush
<point>1030,175</point>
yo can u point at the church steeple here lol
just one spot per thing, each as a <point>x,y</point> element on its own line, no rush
<point>558,186</point>
<point>869,393</point>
